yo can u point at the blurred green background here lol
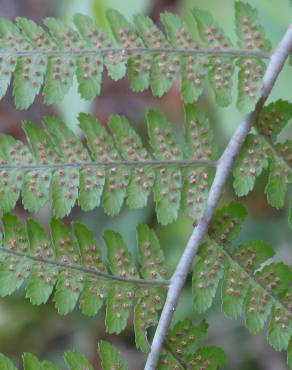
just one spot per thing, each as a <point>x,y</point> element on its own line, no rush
<point>39,329</point>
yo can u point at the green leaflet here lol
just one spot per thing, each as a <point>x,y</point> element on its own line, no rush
<point>251,36</point>
<point>119,299</point>
<point>76,361</point>
<point>261,150</point>
<point>69,283</point>
<point>149,300</point>
<point>95,290</point>
<point>36,192</point>
<point>42,278</point>
<point>65,182</point>
<point>7,32</point>
<point>72,151</point>
<point>131,148</point>
<point>227,221</point>
<point>139,64</point>
<point>30,71</point>
<point>247,288</point>
<point>13,271</point>
<point>71,262</point>
<point>167,185</point>
<point>199,145</point>
<point>102,149</point>
<point>30,362</point>
<point>12,152</point>
<point>95,38</point>
<point>184,338</point>
<point>6,364</point>
<point>207,273</point>
<point>220,69</point>
<point>53,58</point>
<point>110,357</point>
<point>164,66</point>
<point>59,77</point>
<point>249,164</point>
<point>53,171</point>
<point>185,335</point>
<point>273,118</point>
<point>193,69</point>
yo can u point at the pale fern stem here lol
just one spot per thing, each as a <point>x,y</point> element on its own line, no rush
<point>224,168</point>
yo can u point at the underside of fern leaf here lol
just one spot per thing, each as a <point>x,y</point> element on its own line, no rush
<point>59,169</point>
<point>36,57</point>
<point>251,287</point>
<point>263,150</point>
<point>72,263</point>
<point>181,352</point>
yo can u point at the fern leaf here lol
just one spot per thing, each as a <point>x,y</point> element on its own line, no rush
<point>30,362</point>
<point>227,221</point>
<point>65,182</point>
<point>199,145</point>
<point>276,187</point>
<point>6,364</point>
<point>150,300</point>
<point>221,70</point>
<point>58,168</point>
<point>193,70</point>
<point>181,351</point>
<point>249,164</point>
<point>36,57</point>
<point>130,146</point>
<point>7,63</point>
<point>42,278</point>
<point>261,150</point>
<point>205,357</point>
<point>30,71</point>
<point>72,263</point>
<point>96,39</point>
<point>168,180</point>
<point>36,188</point>
<point>207,273</point>
<point>75,360</point>
<point>235,284</point>
<point>211,357</point>
<point>190,336</point>
<point>14,270</point>
<point>247,287</point>
<point>102,148</point>
<point>164,66</point>
<point>138,64</point>
<point>273,118</point>
<point>110,357</point>
<point>69,284</point>
<point>251,36</point>
<point>95,291</point>
<point>12,151</point>
<point>120,298</point>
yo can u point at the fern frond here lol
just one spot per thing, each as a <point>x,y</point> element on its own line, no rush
<point>72,263</point>
<point>248,289</point>
<point>262,150</point>
<point>59,169</point>
<point>51,57</point>
<point>180,352</point>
